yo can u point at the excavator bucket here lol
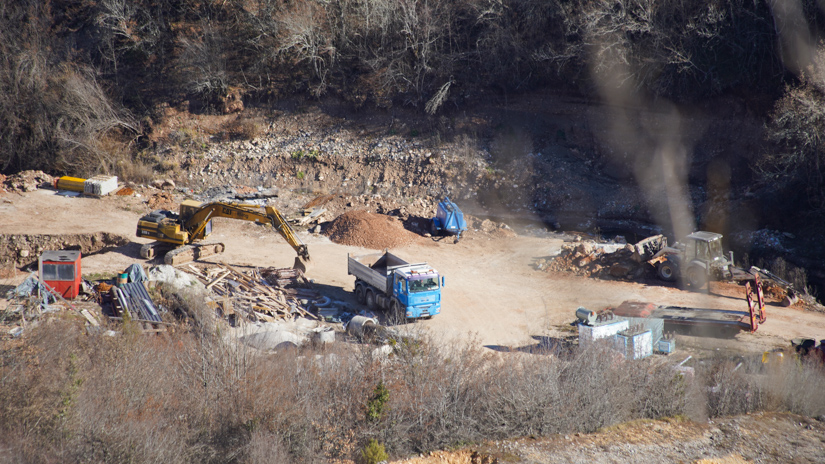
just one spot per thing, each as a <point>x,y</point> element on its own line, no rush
<point>302,264</point>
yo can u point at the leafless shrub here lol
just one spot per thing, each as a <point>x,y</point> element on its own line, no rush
<point>265,448</point>
<point>202,63</point>
<point>53,114</point>
<point>730,390</point>
<point>196,396</point>
<point>788,386</point>
<point>797,159</point>
<point>126,29</point>
<point>305,36</point>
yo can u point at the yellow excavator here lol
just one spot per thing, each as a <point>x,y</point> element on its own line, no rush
<point>177,234</point>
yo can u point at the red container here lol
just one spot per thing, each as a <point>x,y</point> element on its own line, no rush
<point>60,270</point>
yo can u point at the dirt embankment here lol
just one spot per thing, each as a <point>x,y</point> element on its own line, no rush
<point>762,437</point>
<point>20,250</point>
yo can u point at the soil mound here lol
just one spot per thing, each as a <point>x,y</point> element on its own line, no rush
<point>368,230</point>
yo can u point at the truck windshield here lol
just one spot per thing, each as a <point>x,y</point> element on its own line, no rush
<point>423,285</point>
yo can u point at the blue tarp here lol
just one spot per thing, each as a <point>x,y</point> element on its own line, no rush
<point>136,273</point>
<point>28,288</point>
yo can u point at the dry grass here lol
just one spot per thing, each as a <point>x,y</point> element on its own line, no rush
<point>193,397</point>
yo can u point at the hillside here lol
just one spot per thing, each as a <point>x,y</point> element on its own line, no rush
<point>555,125</point>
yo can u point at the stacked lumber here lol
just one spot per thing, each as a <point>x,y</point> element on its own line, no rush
<point>260,295</point>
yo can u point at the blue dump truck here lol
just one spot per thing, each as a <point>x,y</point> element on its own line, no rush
<point>448,220</point>
<point>385,281</point>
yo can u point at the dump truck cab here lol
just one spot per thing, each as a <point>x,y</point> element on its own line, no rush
<point>418,289</point>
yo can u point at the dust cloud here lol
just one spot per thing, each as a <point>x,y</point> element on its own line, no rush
<point>656,148</point>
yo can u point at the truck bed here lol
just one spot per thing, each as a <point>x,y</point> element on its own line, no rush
<point>375,269</point>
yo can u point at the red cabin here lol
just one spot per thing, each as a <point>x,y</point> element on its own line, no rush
<point>60,270</point>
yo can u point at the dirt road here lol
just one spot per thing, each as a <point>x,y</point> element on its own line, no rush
<point>492,296</point>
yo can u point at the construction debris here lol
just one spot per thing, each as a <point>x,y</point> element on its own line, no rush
<point>267,295</point>
<point>134,298</point>
<point>606,261</point>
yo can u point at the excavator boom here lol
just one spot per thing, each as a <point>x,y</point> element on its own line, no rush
<point>194,223</point>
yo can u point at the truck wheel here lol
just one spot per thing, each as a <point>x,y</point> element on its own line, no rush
<point>433,228</point>
<point>667,271</point>
<point>696,277</point>
<point>397,314</point>
<point>370,300</point>
<point>359,294</point>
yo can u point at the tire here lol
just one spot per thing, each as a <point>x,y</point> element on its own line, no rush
<point>359,294</point>
<point>370,297</point>
<point>696,276</point>
<point>433,228</point>
<point>667,271</point>
<point>397,315</point>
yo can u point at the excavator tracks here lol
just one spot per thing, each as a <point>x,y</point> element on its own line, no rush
<point>189,253</point>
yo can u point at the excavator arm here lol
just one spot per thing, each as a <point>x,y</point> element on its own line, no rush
<point>197,221</point>
<point>178,233</point>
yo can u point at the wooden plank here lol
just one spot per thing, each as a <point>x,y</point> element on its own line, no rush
<point>89,317</point>
<point>217,279</point>
<point>196,270</point>
<point>264,317</point>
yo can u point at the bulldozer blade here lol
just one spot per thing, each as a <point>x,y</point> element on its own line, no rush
<point>302,264</point>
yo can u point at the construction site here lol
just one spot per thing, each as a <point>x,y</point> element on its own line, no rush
<point>280,267</point>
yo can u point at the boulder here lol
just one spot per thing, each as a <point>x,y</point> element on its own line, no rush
<point>619,270</point>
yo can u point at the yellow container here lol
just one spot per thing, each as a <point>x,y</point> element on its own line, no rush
<point>75,184</point>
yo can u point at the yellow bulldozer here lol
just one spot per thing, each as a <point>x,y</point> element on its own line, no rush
<point>178,234</point>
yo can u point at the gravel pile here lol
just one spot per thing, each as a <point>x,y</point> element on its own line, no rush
<point>368,230</point>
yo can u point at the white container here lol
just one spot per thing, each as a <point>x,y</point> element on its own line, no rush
<point>635,345</point>
<point>100,185</point>
<point>589,334</point>
<point>323,335</point>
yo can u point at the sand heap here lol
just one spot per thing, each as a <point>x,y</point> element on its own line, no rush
<point>368,230</point>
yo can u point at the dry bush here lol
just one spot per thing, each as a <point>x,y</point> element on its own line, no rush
<point>201,65</point>
<point>243,129</point>
<point>39,386</point>
<point>197,396</point>
<point>136,171</point>
<point>54,113</point>
<point>792,386</point>
<point>730,390</point>
<point>796,161</point>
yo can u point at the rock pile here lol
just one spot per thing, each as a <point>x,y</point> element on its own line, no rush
<point>162,200</point>
<point>368,230</point>
<point>589,259</point>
